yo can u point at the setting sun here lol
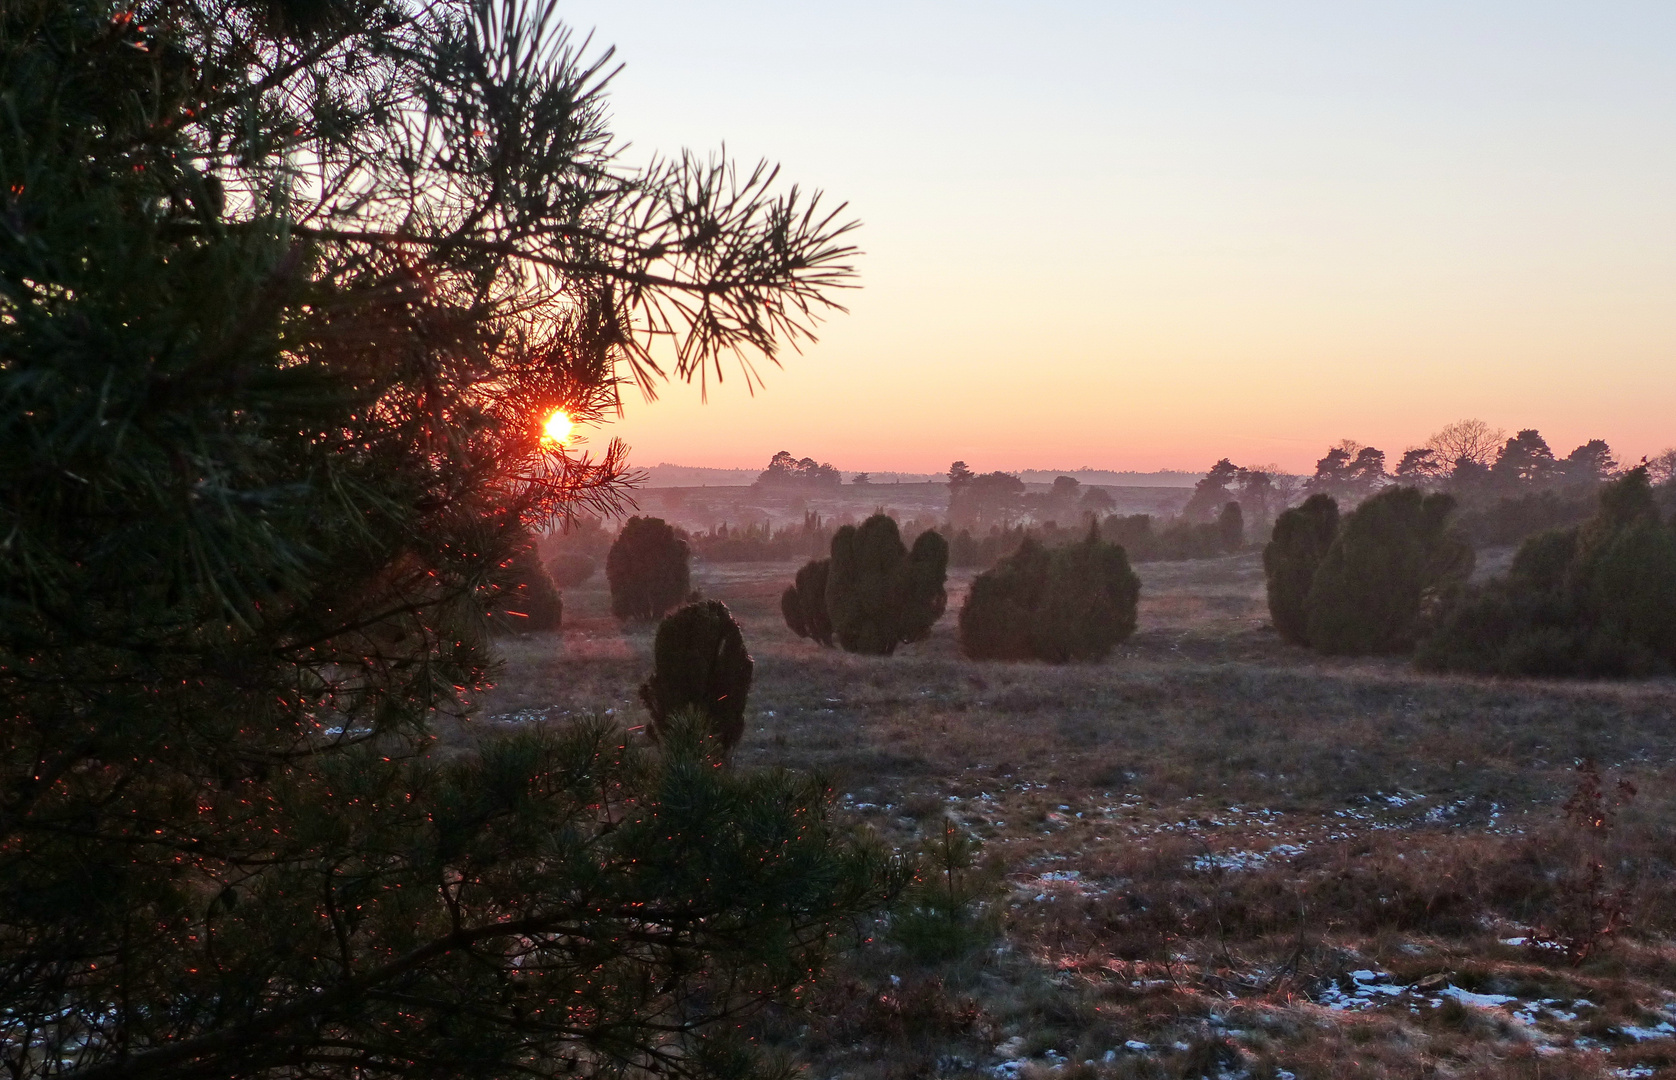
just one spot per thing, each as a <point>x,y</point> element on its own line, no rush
<point>556,432</point>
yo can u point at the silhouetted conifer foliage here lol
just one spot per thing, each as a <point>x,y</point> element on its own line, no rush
<point>1394,559</point>
<point>647,569</point>
<point>700,666</point>
<point>1595,600</point>
<point>289,288</point>
<point>804,602</point>
<point>568,569</point>
<point>1231,524</point>
<point>527,598</point>
<point>1074,602</point>
<point>1300,541</point>
<point>879,594</point>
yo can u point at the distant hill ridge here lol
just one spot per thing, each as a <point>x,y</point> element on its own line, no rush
<point>665,474</point>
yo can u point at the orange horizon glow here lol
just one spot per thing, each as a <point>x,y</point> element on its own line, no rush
<point>1242,231</point>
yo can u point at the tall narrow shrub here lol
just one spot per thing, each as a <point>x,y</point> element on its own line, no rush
<point>804,602</point>
<point>1300,541</point>
<point>1230,525</point>
<point>1394,554</point>
<point>647,569</point>
<point>878,593</point>
<point>700,665</point>
<point>1075,602</point>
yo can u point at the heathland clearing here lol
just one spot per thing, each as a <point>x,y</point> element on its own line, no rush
<point>1233,851</point>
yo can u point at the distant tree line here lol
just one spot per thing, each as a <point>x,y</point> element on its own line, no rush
<point>1390,575</point>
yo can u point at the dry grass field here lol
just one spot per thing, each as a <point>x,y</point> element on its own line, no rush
<point>1213,854</point>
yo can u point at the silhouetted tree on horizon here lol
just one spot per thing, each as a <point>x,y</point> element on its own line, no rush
<point>784,470</point>
<point>1211,492</point>
<point>994,498</point>
<point>1524,460</point>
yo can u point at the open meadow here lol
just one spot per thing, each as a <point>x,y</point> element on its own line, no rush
<point>1213,854</point>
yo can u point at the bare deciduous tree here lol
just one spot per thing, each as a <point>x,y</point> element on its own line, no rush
<point>1471,440</point>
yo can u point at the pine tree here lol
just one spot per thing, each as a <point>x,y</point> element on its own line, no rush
<point>1210,494</point>
<point>287,292</point>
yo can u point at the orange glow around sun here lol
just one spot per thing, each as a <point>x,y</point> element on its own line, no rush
<point>556,432</point>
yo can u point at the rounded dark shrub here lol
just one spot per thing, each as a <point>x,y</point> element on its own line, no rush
<point>804,602</point>
<point>1596,600</point>
<point>1075,602</point>
<point>1300,541</point>
<point>1394,555</point>
<point>572,568</point>
<point>700,664</point>
<point>526,598</point>
<point>647,569</point>
<point>878,593</point>
<point>995,620</point>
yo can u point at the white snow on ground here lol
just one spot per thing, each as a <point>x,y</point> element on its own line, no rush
<point>1246,860</point>
<point>1368,989</point>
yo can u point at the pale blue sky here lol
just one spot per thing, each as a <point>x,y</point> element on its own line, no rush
<point>1139,235</point>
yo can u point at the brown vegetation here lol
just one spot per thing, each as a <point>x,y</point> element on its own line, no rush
<point>1248,858</point>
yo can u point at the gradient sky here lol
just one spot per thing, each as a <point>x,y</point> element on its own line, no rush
<point>1148,235</point>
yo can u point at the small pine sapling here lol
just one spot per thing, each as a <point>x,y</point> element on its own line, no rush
<point>700,664</point>
<point>950,909</point>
